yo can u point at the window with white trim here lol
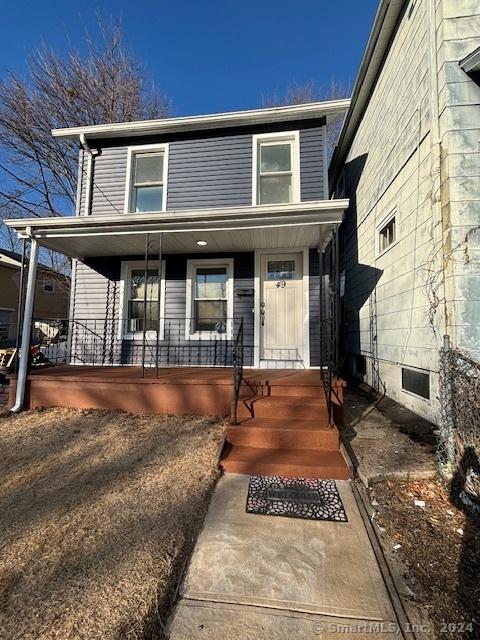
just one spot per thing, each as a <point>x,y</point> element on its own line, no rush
<point>210,292</point>
<point>387,234</point>
<point>140,309</point>
<point>276,179</point>
<point>146,183</point>
<point>48,285</point>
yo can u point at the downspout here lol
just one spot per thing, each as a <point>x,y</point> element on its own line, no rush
<point>27,325</point>
<point>88,187</point>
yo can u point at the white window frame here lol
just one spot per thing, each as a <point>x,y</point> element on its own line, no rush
<point>292,137</point>
<point>125,281</point>
<point>192,265</point>
<point>393,214</point>
<point>46,279</point>
<point>132,152</point>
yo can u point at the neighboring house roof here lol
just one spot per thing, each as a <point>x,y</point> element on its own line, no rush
<point>369,70</point>
<point>329,109</point>
<point>13,259</point>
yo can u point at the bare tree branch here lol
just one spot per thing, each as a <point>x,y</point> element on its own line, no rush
<point>303,93</point>
<point>38,173</point>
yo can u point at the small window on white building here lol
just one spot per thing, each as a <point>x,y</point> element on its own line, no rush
<point>276,179</point>
<point>387,234</point>
<point>146,179</point>
<point>48,285</point>
<point>210,296</point>
<point>417,382</point>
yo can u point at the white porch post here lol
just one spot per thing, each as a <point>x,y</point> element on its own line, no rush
<point>27,324</point>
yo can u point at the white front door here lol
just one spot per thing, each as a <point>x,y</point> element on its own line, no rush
<point>281,307</point>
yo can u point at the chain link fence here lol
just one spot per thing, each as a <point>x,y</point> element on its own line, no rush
<point>458,452</point>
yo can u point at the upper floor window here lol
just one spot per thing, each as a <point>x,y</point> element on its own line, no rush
<point>276,168</point>
<point>146,179</point>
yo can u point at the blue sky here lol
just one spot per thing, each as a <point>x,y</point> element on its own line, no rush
<point>208,55</point>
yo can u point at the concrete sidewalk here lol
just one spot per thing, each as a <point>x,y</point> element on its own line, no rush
<point>257,577</point>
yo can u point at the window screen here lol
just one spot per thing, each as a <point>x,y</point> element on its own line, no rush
<point>416,382</point>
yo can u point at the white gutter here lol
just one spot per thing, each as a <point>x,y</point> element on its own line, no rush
<point>27,326</point>
<point>329,109</point>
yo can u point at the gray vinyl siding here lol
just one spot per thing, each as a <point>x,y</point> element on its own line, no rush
<point>314,306</point>
<point>109,181</point>
<point>312,166</point>
<point>210,173</point>
<point>204,172</point>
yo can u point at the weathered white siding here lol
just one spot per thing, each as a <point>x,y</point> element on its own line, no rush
<point>388,168</point>
<point>398,305</point>
<point>459,102</point>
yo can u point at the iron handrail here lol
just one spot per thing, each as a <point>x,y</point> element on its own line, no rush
<point>237,359</point>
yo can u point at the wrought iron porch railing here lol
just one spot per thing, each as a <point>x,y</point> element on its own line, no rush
<point>329,320</point>
<point>237,372</point>
<point>165,342</point>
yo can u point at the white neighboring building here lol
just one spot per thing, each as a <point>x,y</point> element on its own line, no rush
<point>408,158</point>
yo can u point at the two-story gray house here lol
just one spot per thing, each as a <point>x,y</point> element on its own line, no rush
<point>196,241</point>
<point>236,205</point>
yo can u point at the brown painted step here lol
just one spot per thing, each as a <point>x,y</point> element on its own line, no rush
<point>304,391</point>
<point>291,464</point>
<point>285,407</point>
<point>275,433</point>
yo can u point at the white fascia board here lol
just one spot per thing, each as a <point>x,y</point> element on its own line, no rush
<point>176,217</point>
<point>329,109</point>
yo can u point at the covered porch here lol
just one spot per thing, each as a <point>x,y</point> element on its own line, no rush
<point>161,337</point>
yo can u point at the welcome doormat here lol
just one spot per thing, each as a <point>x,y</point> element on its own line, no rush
<point>307,498</point>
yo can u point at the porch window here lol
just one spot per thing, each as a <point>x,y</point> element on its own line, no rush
<point>136,309</point>
<point>147,177</point>
<point>209,289</point>
<point>276,169</point>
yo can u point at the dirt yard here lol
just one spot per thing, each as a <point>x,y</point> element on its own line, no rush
<point>440,553</point>
<point>99,511</point>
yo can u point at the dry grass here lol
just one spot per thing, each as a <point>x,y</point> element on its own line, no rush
<point>99,510</point>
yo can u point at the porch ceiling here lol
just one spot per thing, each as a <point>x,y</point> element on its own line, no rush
<point>236,229</point>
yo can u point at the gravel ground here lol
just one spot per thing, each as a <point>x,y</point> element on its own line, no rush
<point>439,552</point>
<point>99,513</point>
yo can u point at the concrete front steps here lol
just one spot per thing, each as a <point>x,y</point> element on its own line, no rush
<point>283,430</point>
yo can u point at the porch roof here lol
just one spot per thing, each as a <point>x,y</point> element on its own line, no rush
<point>305,224</point>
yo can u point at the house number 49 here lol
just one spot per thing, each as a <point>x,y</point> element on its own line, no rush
<point>281,284</point>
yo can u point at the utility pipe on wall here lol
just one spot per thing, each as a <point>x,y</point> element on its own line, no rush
<point>27,325</point>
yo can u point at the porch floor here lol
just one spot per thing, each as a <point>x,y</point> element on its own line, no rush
<point>175,390</point>
<point>184,375</point>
